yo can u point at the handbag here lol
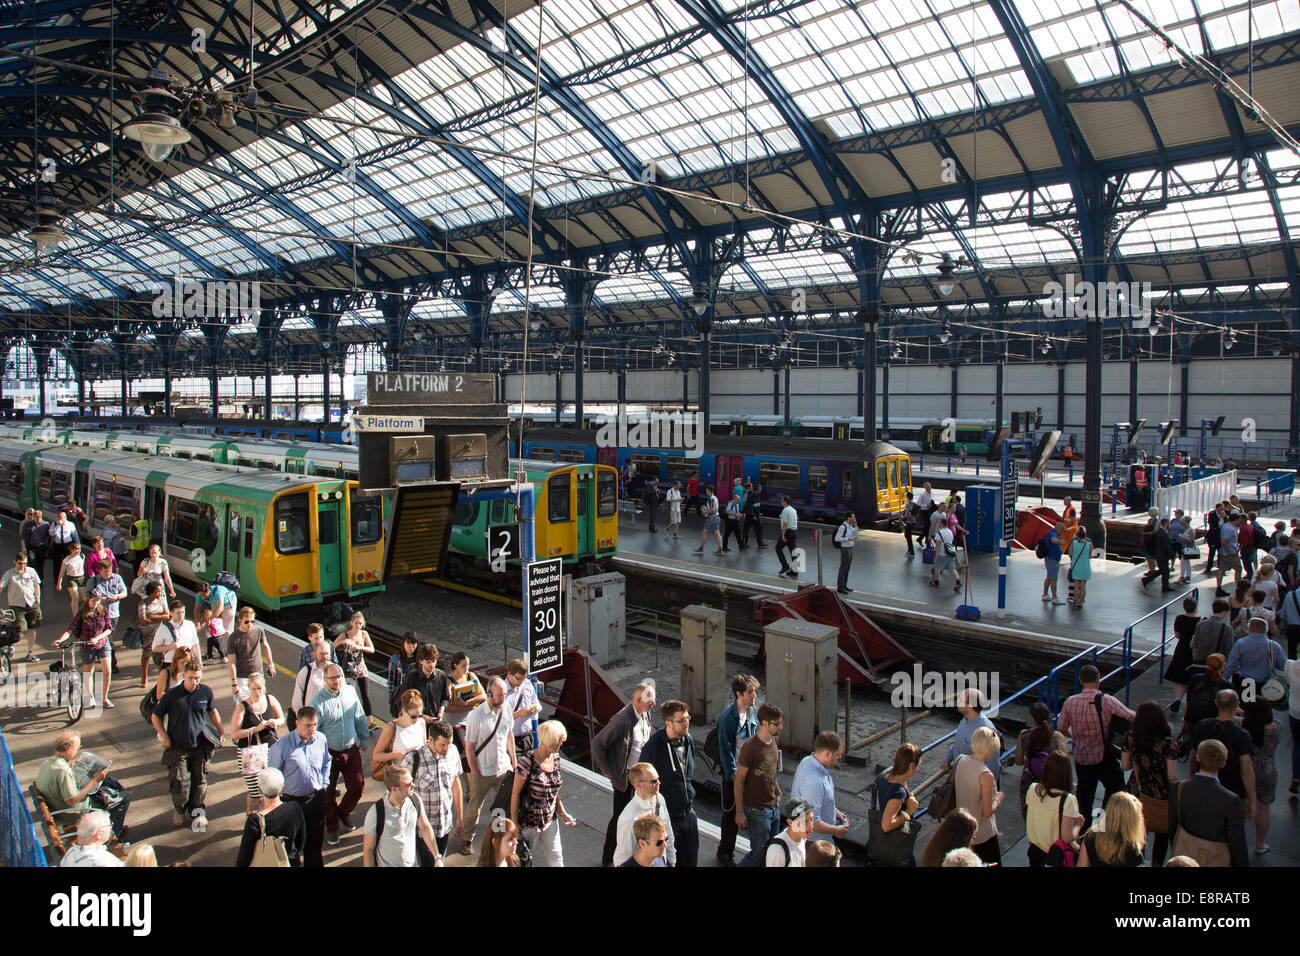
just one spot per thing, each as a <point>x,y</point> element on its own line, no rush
<point>1204,852</point>
<point>1155,812</point>
<point>1061,853</point>
<point>1191,551</point>
<point>890,847</point>
<point>132,638</point>
<point>1277,688</point>
<point>270,850</point>
<point>944,798</point>
<point>253,758</point>
<point>927,553</point>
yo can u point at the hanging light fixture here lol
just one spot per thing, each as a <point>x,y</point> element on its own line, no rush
<point>226,116</point>
<point>48,232</point>
<point>156,128</point>
<point>1046,345</point>
<point>945,333</point>
<point>535,318</point>
<point>946,283</point>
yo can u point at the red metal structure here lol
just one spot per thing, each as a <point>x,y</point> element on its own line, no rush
<point>866,652</point>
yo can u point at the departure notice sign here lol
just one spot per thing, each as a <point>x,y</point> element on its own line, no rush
<point>545,628</point>
<point>420,530</point>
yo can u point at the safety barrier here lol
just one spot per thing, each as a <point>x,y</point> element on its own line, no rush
<point>1275,490</point>
<point>1196,497</point>
<point>19,844</point>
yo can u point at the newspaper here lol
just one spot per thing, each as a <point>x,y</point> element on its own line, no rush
<point>86,766</point>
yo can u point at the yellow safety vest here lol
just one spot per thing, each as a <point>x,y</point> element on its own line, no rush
<point>140,534</point>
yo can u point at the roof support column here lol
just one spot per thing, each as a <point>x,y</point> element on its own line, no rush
<point>396,310</point>
<point>324,315</point>
<point>1133,383</point>
<point>786,428</point>
<point>1000,371</point>
<point>1060,397</point>
<point>42,356</point>
<point>579,287</point>
<point>865,259</point>
<point>1092,249</point>
<point>1184,395</point>
<point>884,400</point>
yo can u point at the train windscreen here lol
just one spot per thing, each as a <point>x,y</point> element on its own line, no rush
<point>606,494</point>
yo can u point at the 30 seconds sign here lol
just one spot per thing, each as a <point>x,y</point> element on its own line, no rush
<point>545,627</point>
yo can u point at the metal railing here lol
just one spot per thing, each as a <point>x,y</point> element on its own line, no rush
<point>1274,491</point>
<point>19,844</point>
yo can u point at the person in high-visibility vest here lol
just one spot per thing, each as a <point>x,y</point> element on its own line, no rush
<point>1069,518</point>
<point>140,535</point>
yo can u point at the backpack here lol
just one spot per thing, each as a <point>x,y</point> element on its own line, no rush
<point>423,855</point>
<point>711,750</point>
<point>1040,551</point>
<point>835,538</point>
<point>227,579</point>
<point>1246,536</point>
<point>761,859</point>
<point>1037,759</point>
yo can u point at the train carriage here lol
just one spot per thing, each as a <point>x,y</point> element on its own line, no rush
<point>292,541</point>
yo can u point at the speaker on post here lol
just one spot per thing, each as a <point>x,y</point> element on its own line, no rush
<point>1046,445</point>
<point>1218,423</point>
<point>1134,430</point>
<point>1167,431</point>
<point>995,446</point>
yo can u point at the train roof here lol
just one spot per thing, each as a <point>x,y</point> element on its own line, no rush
<point>134,465</point>
<point>743,445</point>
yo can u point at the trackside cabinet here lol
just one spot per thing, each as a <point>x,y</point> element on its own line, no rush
<point>704,666</point>
<point>983,522</point>
<point>801,672</point>
<point>599,612</point>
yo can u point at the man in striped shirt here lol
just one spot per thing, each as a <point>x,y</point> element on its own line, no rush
<point>1087,725</point>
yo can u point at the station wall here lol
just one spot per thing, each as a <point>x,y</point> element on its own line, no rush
<point>1257,388</point>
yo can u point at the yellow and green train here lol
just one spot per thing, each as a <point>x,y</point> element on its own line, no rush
<point>294,541</point>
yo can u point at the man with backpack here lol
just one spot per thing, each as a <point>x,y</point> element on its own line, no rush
<point>1213,635</point>
<point>392,839</point>
<point>846,536</point>
<point>1238,773</point>
<point>1087,717</point>
<point>1049,551</point>
<point>735,726</point>
<point>752,517</point>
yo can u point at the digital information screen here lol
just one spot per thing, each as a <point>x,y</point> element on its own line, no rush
<point>421,528</point>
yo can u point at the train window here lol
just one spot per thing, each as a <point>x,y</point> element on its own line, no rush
<point>680,468</point>
<point>16,480</point>
<point>291,524</point>
<point>43,485</point>
<point>542,453</point>
<point>905,473</point>
<point>233,542</point>
<point>497,512</point>
<point>846,483</point>
<point>817,477</point>
<point>101,502</point>
<point>325,471</point>
<point>367,519</point>
<point>644,461</point>
<point>327,523</point>
<point>882,478</point>
<point>893,474</point>
<point>606,494</point>
<point>248,536</point>
<point>572,455</point>
<point>778,474</point>
<point>557,498</point>
<point>191,525</point>
<point>352,475</point>
<point>60,485</point>
<point>466,513</point>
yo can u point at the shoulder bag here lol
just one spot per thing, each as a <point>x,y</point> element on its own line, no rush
<point>1277,688</point>
<point>1155,812</point>
<point>890,847</point>
<point>1061,853</point>
<point>944,798</point>
<point>1204,852</point>
<point>270,850</point>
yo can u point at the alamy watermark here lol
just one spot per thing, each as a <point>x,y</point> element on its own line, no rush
<point>671,430</point>
<point>78,909</point>
<point>1099,300</point>
<point>921,689</point>
<point>210,299</point>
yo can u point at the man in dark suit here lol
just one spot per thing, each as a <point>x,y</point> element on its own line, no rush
<point>650,499</point>
<point>1204,808</point>
<point>1161,547</point>
<point>615,749</point>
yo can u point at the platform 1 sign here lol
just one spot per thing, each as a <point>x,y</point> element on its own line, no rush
<point>545,627</point>
<point>429,388</point>
<point>394,424</point>
<point>1010,492</point>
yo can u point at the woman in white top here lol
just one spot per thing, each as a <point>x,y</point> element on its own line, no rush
<point>72,575</point>
<point>402,736</point>
<point>977,793</point>
<point>1266,581</point>
<point>675,507</point>
<point>171,673</point>
<point>153,568</point>
<point>1048,801</point>
<point>151,612</point>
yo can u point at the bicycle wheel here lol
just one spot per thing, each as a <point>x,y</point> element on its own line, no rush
<point>71,692</point>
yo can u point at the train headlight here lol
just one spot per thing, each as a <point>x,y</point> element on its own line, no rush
<point>284,589</point>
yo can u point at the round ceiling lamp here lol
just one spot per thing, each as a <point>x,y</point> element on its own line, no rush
<point>156,128</point>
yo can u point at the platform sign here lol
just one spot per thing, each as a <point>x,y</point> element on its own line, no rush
<point>1010,491</point>
<point>502,545</point>
<point>545,628</point>
<point>397,424</point>
<point>420,529</point>
<point>430,388</point>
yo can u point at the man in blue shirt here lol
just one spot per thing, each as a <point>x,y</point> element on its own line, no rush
<point>1288,614</point>
<point>736,725</point>
<point>1254,657</point>
<point>970,703</point>
<point>1229,553</point>
<point>1052,563</point>
<point>346,729</point>
<point>813,783</point>
<point>302,755</point>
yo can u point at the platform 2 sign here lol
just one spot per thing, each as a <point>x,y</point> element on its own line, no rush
<point>1010,491</point>
<point>429,388</point>
<point>420,529</point>
<point>502,545</point>
<point>545,627</point>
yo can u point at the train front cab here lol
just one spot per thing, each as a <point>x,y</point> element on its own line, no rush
<point>891,480</point>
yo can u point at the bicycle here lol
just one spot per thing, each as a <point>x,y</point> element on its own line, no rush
<point>65,684</point>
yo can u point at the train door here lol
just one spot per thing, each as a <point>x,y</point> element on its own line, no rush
<point>81,491</point>
<point>155,499</point>
<point>729,468</point>
<point>584,503</point>
<point>330,550</point>
<point>607,456</point>
<point>230,556</point>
